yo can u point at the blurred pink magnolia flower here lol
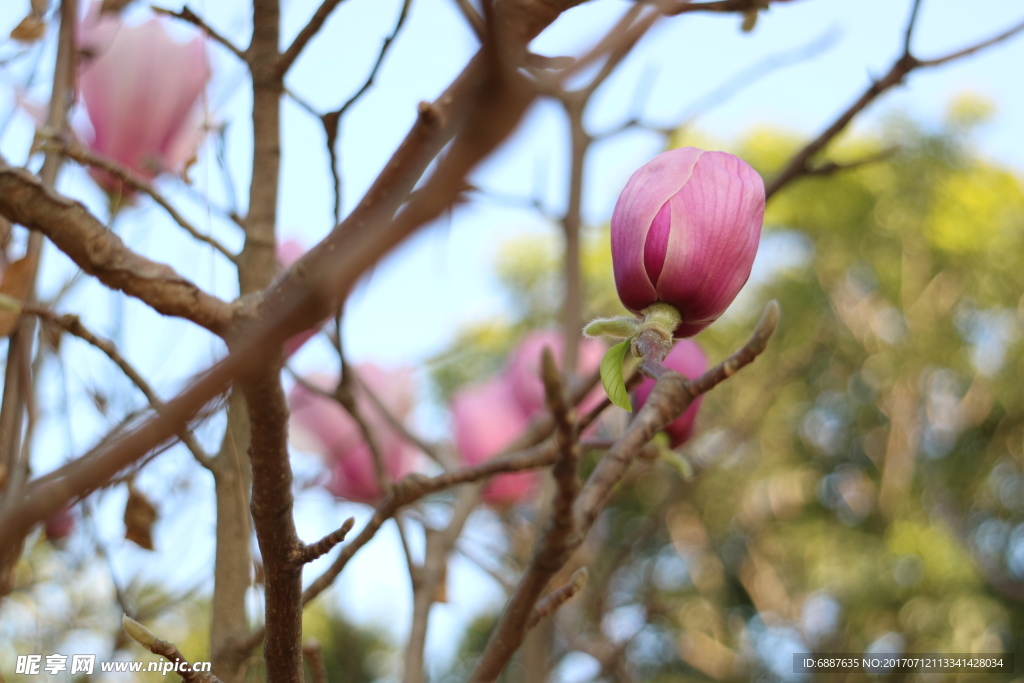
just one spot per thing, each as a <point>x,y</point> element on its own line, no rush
<point>686,358</point>
<point>141,90</point>
<point>321,425</point>
<point>489,416</point>
<point>685,232</point>
<point>487,419</point>
<point>524,368</point>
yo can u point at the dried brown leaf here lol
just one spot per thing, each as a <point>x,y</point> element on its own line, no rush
<point>139,516</point>
<point>31,29</point>
<point>16,283</point>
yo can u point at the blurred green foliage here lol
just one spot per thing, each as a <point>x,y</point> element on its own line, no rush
<point>861,486</point>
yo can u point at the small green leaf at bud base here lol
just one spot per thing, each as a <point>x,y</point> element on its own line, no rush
<point>616,328</point>
<point>611,375</point>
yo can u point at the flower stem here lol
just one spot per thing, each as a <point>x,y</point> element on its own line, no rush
<point>655,337</point>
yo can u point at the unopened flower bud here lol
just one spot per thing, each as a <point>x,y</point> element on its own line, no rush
<point>685,232</point>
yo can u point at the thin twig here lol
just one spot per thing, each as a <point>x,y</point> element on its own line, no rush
<point>434,453</point>
<point>72,325</point>
<point>313,551</point>
<point>564,470</point>
<point>429,577</point>
<point>831,167</point>
<point>800,165</point>
<point>716,7</point>
<point>967,51</point>
<point>558,597</point>
<point>909,33</point>
<point>186,14</point>
<point>344,394</point>
<point>86,157</point>
<point>316,22</point>
<point>332,120</point>
<point>473,18</point>
<point>315,656</point>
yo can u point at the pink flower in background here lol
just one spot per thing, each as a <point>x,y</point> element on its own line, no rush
<point>487,419</point>
<point>685,231</point>
<point>686,358</point>
<point>141,90</point>
<point>524,369</point>
<point>321,425</point>
<point>489,416</point>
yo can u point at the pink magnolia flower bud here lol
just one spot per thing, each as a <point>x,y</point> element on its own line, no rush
<point>688,360</point>
<point>321,425</point>
<point>487,419</point>
<point>685,231</point>
<point>141,89</point>
<point>524,369</point>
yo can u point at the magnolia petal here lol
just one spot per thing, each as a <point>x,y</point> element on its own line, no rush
<point>487,419</point>
<point>321,424</point>
<point>716,227</point>
<point>523,369</point>
<point>140,87</point>
<point>647,191</point>
<point>322,417</point>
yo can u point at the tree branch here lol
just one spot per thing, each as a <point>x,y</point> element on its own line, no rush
<point>72,325</point>
<point>69,225</point>
<point>307,33</point>
<point>84,156</point>
<point>186,14</point>
<point>799,165</point>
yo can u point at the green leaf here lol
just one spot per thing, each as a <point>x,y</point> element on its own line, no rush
<point>611,375</point>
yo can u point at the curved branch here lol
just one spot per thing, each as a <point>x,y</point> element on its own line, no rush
<point>800,164</point>
<point>69,225</point>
